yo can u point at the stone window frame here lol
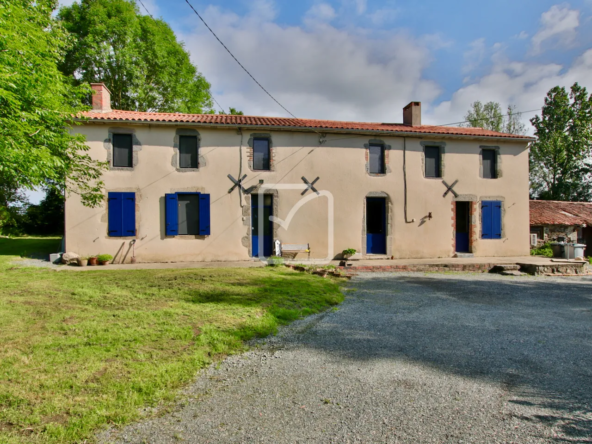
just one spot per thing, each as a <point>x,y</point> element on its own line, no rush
<point>442,146</point>
<point>387,149</point>
<point>201,160</point>
<point>136,147</point>
<point>498,161</point>
<point>389,223</point>
<point>501,199</point>
<point>247,240</point>
<point>250,156</point>
<point>474,203</point>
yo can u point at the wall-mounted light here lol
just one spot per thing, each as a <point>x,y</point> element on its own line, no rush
<point>430,215</point>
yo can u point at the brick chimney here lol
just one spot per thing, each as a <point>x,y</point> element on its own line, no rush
<point>101,99</point>
<point>412,114</point>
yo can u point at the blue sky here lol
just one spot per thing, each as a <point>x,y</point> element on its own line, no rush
<point>366,59</point>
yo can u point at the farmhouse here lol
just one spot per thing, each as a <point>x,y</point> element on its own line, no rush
<point>552,221</point>
<point>186,187</point>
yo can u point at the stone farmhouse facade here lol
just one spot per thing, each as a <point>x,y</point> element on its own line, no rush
<point>184,187</point>
<point>553,220</point>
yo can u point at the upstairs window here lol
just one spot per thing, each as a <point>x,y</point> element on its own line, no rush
<point>376,159</point>
<point>433,161</point>
<point>121,209</point>
<point>261,154</point>
<point>489,162</point>
<point>187,214</point>
<point>188,152</point>
<point>491,219</point>
<point>123,151</point>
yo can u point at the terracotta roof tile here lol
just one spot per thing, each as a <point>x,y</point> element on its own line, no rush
<point>231,120</point>
<point>551,212</point>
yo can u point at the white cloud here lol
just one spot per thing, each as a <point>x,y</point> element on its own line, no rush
<point>523,35</point>
<point>513,83</point>
<point>474,56</point>
<point>383,16</point>
<point>321,12</point>
<point>318,72</point>
<point>559,23</point>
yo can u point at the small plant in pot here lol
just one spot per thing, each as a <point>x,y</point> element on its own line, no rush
<point>348,253</point>
<point>92,260</point>
<point>82,261</point>
<point>104,259</point>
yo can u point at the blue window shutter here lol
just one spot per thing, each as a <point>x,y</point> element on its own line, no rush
<point>115,214</point>
<point>496,219</point>
<point>171,214</point>
<point>204,214</point>
<point>129,214</point>
<point>486,219</point>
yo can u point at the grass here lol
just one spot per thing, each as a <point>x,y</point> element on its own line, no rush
<point>82,350</point>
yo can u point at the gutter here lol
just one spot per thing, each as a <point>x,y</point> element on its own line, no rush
<point>309,129</point>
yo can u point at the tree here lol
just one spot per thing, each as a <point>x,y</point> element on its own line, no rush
<point>12,204</point>
<point>489,116</point>
<point>37,103</point>
<point>47,217</point>
<point>136,56</point>
<point>231,111</point>
<point>560,159</point>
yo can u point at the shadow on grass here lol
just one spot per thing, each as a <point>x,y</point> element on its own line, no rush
<point>534,337</point>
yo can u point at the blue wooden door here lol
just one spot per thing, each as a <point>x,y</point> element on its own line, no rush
<point>375,225</point>
<point>265,238</point>
<point>462,229</point>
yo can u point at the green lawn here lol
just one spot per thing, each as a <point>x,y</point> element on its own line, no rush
<point>82,350</point>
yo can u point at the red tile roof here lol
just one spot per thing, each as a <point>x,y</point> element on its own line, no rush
<point>282,122</point>
<point>552,212</point>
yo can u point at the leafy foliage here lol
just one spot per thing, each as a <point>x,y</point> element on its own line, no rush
<point>489,116</point>
<point>47,218</point>
<point>543,250</point>
<point>136,56</point>
<point>560,159</point>
<point>12,203</point>
<point>37,103</point>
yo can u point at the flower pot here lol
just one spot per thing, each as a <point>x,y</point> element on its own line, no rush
<point>92,261</point>
<point>82,262</point>
<point>104,262</point>
<point>133,259</point>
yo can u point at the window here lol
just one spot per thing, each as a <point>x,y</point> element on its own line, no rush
<point>187,213</point>
<point>261,154</point>
<point>491,219</point>
<point>121,208</point>
<point>123,150</point>
<point>188,152</point>
<point>376,159</point>
<point>489,161</point>
<point>432,161</point>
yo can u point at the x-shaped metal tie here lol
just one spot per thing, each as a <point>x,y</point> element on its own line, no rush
<point>309,186</point>
<point>449,188</point>
<point>237,183</point>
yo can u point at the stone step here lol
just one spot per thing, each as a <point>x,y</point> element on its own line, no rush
<point>501,268</point>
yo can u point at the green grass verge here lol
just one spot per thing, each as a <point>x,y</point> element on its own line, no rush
<point>82,350</point>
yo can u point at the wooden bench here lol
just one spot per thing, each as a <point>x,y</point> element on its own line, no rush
<point>294,249</point>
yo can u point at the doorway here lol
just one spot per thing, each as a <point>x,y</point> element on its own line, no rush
<point>463,226</point>
<point>375,225</point>
<point>262,238</point>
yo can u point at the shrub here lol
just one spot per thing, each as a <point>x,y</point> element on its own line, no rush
<point>349,252</point>
<point>544,250</point>
<point>104,257</point>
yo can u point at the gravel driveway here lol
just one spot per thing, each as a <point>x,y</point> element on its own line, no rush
<point>408,358</point>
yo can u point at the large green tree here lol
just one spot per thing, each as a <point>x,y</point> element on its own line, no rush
<point>136,56</point>
<point>37,103</point>
<point>560,159</point>
<point>490,116</point>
